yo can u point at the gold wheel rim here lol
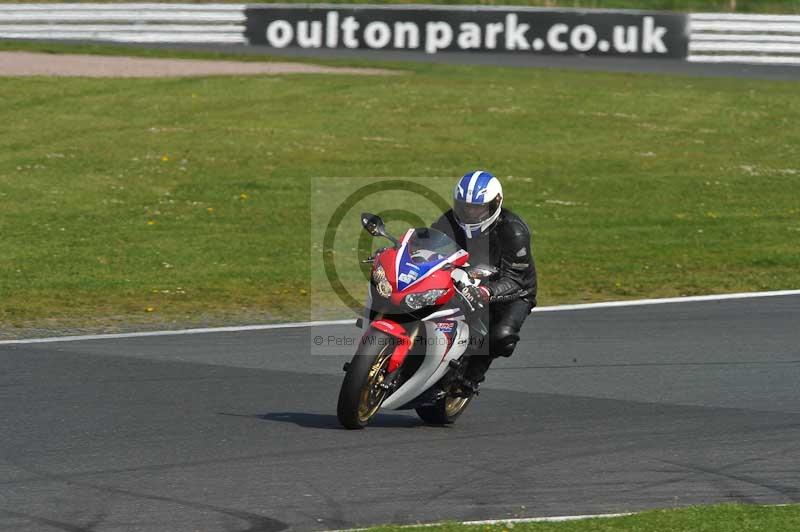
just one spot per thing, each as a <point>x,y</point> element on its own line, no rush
<point>454,405</point>
<point>371,394</point>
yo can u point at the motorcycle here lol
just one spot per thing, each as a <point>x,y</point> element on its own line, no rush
<point>414,349</point>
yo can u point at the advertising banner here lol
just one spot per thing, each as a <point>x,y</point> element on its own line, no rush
<point>435,29</point>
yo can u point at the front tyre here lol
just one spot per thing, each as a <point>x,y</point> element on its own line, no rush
<point>361,394</point>
<point>444,411</point>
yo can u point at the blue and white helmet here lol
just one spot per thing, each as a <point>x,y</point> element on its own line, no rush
<point>477,199</point>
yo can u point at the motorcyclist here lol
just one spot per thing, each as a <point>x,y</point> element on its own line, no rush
<point>493,236</point>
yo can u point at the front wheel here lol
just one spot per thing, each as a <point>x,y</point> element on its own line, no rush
<point>444,411</point>
<point>361,394</point>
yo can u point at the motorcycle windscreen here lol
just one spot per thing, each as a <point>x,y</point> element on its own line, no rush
<point>424,251</point>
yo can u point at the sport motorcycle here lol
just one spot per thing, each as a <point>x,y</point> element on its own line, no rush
<point>419,330</point>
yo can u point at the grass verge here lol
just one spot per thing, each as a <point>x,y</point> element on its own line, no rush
<point>726,517</point>
<point>187,201</point>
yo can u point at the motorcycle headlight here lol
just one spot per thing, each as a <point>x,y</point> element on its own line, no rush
<point>382,284</point>
<point>424,299</point>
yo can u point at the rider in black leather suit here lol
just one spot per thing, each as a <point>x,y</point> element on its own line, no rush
<point>497,237</point>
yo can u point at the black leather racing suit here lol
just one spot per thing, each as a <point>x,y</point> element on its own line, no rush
<point>506,246</point>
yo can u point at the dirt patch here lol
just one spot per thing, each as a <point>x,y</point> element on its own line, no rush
<point>97,66</point>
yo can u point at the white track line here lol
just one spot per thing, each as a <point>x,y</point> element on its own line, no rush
<point>237,328</point>
<point>555,519</point>
<point>296,325</point>
<point>665,300</point>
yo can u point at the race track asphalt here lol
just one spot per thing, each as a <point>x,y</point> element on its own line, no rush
<point>679,67</point>
<point>602,410</point>
<point>633,65</point>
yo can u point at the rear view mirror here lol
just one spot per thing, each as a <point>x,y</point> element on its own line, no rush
<point>374,226</point>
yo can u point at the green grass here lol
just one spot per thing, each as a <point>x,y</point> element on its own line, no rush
<point>122,200</point>
<point>741,6</point>
<point>720,518</point>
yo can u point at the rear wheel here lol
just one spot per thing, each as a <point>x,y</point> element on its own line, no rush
<point>361,394</point>
<point>444,411</point>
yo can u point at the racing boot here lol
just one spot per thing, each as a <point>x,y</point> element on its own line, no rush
<point>474,375</point>
<point>477,366</point>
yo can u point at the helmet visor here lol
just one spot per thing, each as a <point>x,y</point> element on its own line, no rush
<point>475,213</point>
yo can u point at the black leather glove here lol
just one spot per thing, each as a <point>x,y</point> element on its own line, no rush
<point>475,297</point>
<point>472,305</point>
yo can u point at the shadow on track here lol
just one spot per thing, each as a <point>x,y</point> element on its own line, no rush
<point>329,421</point>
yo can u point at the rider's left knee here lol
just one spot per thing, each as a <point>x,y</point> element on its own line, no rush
<point>502,341</point>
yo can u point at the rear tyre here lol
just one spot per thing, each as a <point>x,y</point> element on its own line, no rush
<point>444,411</point>
<point>361,394</point>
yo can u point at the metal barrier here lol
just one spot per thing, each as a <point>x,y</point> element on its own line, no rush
<point>735,38</point>
<point>143,23</point>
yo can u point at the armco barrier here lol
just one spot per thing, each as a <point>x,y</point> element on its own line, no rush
<point>136,23</point>
<point>718,38</point>
<point>702,37</point>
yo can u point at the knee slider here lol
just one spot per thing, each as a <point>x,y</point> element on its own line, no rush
<point>503,340</point>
